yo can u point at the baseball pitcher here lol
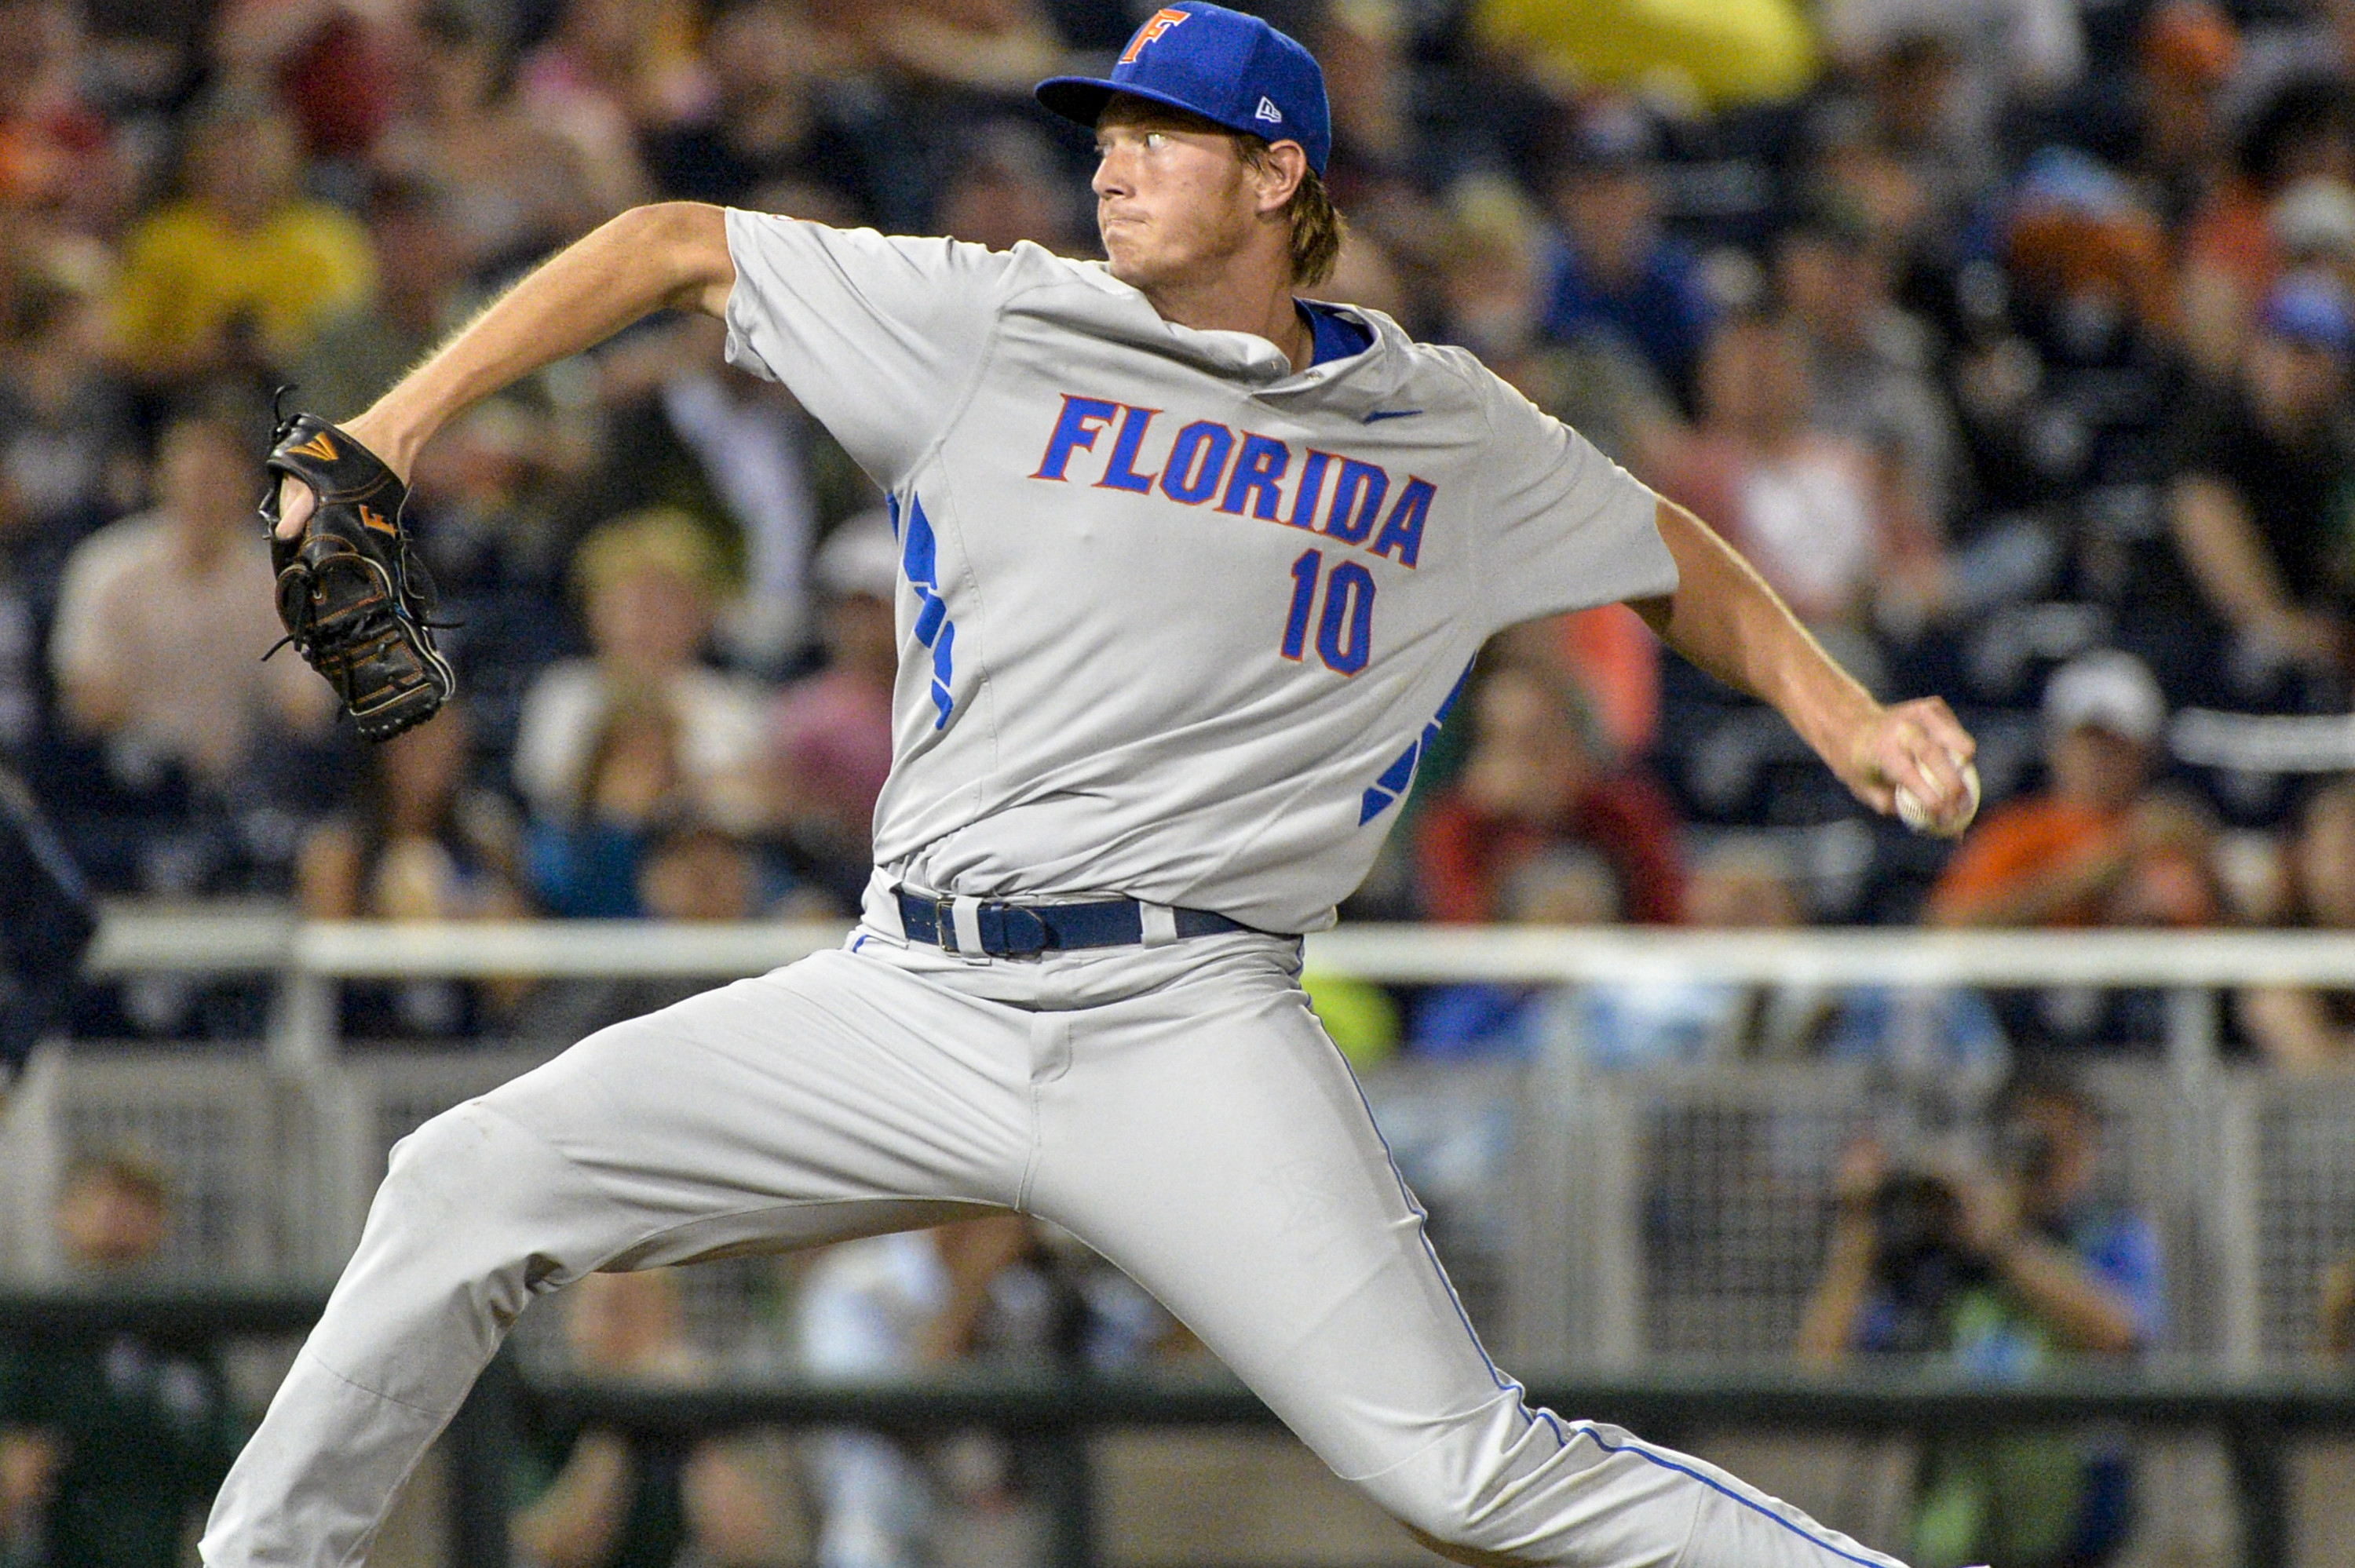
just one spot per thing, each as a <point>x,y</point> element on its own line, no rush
<point>1192,567</point>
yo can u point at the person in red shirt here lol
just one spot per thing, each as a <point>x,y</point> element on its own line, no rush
<point>830,735</point>
<point>2100,846</point>
<point>1538,779</point>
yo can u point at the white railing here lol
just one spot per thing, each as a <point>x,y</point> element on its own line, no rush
<point>197,941</point>
<point>311,957</point>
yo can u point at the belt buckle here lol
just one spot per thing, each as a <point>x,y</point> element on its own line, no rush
<point>944,923</point>
<point>1017,933</point>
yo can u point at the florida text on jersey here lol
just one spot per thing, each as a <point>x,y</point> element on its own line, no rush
<point>1177,617</point>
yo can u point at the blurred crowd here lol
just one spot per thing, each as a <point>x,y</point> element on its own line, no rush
<point>2010,339</point>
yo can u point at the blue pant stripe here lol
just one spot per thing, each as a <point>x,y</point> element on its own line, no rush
<point>1720,1486</point>
<point>1422,1231</point>
<point>1509,1385</point>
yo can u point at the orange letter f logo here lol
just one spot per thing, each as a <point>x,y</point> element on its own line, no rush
<point>1161,23</point>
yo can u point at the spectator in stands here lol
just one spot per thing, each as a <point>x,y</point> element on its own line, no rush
<point>830,734</point>
<point>74,164</point>
<point>1872,366</point>
<point>48,921</point>
<point>66,464</point>
<point>1539,777</point>
<point>1727,55</point>
<point>1836,533</point>
<point>1563,886</point>
<point>422,264</point>
<point>240,273</point>
<point>1492,299</point>
<point>2000,51</point>
<point>1930,106</point>
<point>2258,510</point>
<point>604,1502</point>
<point>1616,267</point>
<point>2297,1029</point>
<point>1735,885</point>
<point>2101,846</point>
<point>611,744</point>
<point>1007,189</point>
<point>165,618</point>
<point>1371,85</point>
<point>2069,385</point>
<point>991,48</point>
<point>519,184</point>
<point>897,1304</point>
<point>2171,130</point>
<point>770,120</point>
<point>608,72</point>
<point>2314,223</point>
<point>686,871</point>
<point>110,1444</point>
<point>2003,1265</point>
<point>50,140</point>
<point>337,62</point>
<point>2304,130</point>
<point>419,843</point>
<point>684,429</point>
<point>64,425</point>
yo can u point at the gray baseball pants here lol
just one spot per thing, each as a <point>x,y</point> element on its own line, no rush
<point>1178,1107</point>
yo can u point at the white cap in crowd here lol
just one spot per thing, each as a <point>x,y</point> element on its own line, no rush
<point>2315,216</point>
<point>860,557</point>
<point>2108,688</point>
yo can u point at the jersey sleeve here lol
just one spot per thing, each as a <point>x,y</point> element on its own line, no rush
<point>1563,528</point>
<point>878,337</point>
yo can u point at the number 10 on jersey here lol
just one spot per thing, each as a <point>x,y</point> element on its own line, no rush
<point>1345,632</point>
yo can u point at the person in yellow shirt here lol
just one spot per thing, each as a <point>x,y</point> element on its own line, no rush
<point>1719,54</point>
<point>241,270</point>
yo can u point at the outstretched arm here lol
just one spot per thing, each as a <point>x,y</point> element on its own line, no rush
<point>673,255</point>
<point>1724,617</point>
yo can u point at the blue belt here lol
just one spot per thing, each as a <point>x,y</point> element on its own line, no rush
<point>1026,930</point>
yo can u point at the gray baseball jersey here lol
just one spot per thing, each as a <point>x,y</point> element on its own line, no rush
<point>1177,617</point>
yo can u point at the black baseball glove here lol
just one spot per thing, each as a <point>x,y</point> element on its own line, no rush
<point>355,602</point>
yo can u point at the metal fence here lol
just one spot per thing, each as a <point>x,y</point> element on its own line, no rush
<point>1066,1415</point>
<point>1587,1218</point>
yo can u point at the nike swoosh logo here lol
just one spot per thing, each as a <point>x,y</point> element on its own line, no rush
<point>1392,414</point>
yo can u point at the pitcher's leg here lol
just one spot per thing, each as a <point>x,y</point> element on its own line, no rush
<point>777,1112</point>
<point>1209,1140</point>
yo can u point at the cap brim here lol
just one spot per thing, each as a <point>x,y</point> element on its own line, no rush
<point>1082,100</point>
<point>1078,98</point>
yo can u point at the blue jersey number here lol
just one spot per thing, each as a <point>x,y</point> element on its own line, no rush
<point>1345,634</point>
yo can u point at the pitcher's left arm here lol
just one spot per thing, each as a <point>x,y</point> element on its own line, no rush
<point>1724,616</point>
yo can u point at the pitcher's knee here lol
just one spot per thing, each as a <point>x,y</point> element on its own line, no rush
<point>1468,1526</point>
<point>469,1208</point>
<point>1468,1497</point>
<point>457,1169</point>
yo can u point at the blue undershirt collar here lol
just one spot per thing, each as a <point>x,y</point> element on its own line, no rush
<point>1335,336</point>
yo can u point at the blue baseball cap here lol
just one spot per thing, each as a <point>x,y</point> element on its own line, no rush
<point>2312,312</point>
<point>1228,67</point>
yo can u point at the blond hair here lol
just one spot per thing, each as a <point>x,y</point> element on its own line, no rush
<point>1317,228</point>
<point>662,537</point>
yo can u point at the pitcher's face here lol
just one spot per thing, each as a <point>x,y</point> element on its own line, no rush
<point>1173,197</point>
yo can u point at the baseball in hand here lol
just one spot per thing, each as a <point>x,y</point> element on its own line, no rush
<point>1916,816</point>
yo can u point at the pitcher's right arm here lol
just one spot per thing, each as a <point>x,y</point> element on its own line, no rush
<point>670,255</point>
